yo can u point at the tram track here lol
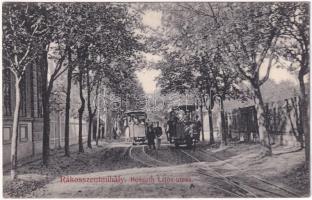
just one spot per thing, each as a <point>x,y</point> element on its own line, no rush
<point>158,161</point>
<point>285,190</point>
<point>237,182</point>
<point>139,154</point>
<point>252,184</point>
<point>233,187</point>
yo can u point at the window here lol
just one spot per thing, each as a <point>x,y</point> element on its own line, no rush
<point>23,97</point>
<point>6,135</point>
<point>23,133</point>
<point>7,109</point>
<point>39,91</point>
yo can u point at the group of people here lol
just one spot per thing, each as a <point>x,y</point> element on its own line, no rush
<point>133,120</point>
<point>152,133</point>
<point>194,129</point>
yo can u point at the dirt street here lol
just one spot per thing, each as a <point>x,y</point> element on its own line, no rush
<point>123,170</point>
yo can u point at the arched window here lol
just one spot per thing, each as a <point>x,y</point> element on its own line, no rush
<point>7,99</point>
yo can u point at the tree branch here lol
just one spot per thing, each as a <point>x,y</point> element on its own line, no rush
<point>213,14</point>
<point>60,73</point>
<point>263,54</point>
<point>199,12</point>
<point>244,73</point>
<point>56,73</point>
<point>266,77</point>
<point>25,55</point>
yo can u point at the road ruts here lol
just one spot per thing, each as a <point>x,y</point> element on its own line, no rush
<point>253,185</point>
<point>221,181</point>
<point>257,182</point>
<point>138,154</point>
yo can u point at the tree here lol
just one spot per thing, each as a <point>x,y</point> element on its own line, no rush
<point>248,32</point>
<point>68,91</point>
<point>223,84</point>
<point>90,85</point>
<point>295,30</point>
<point>182,74</point>
<point>189,43</point>
<point>80,76</point>
<point>53,51</point>
<point>54,32</point>
<point>106,35</point>
<point>70,35</point>
<point>47,87</point>
<point>182,44</point>
<point>24,27</point>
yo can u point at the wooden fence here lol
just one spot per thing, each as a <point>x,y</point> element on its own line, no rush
<point>282,122</point>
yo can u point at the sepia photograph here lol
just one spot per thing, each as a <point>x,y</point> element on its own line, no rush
<point>155,99</point>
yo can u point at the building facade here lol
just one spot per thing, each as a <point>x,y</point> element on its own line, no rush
<point>30,127</point>
<point>30,116</point>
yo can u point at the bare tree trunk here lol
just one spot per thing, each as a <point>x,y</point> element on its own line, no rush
<point>80,112</point>
<point>299,132</point>
<point>223,132</point>
<point>304,117</point>
<point>46,91</point>
<point>261,118</point>
<point>104,134</point>
<point>60,131</point>
<point>211,141</point>
<point>89,112</point>
<point>103,128</point>
<point>98,132</point>
<point>90,131</point>
<point>67,107</point>
<point>93,133</point>
<point>98,122</point>
<point>202,121</point>
<point>14,138</point>
<point>46,130</point>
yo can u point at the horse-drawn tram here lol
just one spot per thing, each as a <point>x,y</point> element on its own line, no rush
<point>135,122</point>
<point>182,126</point>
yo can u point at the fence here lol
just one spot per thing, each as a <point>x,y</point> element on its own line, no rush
<point>57,129</point>
<point>282,122</point>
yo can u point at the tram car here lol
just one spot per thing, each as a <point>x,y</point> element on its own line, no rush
<point>135,122</point>
<point>181,126</point>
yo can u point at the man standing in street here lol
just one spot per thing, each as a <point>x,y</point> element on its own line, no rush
<point>171,127</point>
<point>197,128</point>
<point>158,133</point>
<point>151,136</point>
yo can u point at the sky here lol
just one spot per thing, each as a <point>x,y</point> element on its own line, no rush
<point>147,76</point>
<point>152,18</point>
<point>278,74</point>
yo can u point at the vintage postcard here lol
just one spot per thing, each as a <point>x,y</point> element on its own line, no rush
<point>155,99</point>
